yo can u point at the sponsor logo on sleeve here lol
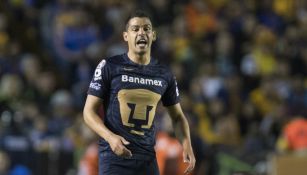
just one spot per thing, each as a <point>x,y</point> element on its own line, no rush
<point>95,86</point>
<point>98,72</point>
<point>177,90</point>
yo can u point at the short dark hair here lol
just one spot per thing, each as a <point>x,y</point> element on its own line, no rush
<point>137,13</point>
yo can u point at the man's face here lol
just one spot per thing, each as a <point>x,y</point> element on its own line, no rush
<point>139,35</point>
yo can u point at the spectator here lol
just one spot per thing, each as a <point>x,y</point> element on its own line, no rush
<point>4,163</point>
<point>294,136</point>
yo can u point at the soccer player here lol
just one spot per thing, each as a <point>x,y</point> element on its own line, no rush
<point>129,86</point>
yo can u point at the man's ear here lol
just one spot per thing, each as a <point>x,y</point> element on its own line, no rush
<point>125,36</point>
<point>154,35</point>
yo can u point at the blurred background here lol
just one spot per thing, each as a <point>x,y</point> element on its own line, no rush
<point>240,65</point>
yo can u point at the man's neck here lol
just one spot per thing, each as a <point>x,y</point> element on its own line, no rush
<point>143,59</point>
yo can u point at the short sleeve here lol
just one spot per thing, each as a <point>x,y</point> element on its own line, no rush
<point>100,83</point>
<point>171,95</point>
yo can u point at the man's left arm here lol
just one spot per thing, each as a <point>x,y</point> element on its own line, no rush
<point>182,131</point>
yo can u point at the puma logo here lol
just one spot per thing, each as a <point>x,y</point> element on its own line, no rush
<point>128,69</point>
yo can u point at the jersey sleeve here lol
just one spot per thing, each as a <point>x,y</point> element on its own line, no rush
<point>171,95</point>
<point>100,83</point>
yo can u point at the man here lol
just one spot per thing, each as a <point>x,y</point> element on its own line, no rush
<point>129,86</point>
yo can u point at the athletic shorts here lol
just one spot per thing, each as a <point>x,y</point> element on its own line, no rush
<point>111,164</point>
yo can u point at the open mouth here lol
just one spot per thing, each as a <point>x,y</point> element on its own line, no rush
<point>141,42</point>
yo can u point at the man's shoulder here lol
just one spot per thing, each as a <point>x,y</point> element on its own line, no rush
<point>163,68</point>
<point>112,61</point>
<point>116,59</point>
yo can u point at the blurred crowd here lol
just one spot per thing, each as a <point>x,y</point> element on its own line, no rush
<point>240,65</point>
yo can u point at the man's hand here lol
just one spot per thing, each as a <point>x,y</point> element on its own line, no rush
<point>117,144</point>
<point>188,156</point>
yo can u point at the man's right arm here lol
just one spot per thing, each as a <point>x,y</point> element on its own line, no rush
<point>92,119</point>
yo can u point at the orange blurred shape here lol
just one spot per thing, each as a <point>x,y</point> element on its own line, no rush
<point>296,134</point>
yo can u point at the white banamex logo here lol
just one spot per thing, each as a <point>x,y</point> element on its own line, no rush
<point>138,80</point>
<point>98,71</point>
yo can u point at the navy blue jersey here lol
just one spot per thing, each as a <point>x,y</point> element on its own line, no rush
<point>131,93</point>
